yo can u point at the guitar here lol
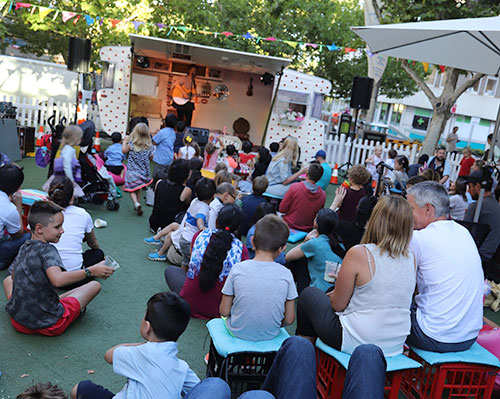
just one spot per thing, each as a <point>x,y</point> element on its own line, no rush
<point>250,88</point>
<point>181,96</point>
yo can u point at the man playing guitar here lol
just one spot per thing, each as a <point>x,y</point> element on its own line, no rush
<point>183,94</point>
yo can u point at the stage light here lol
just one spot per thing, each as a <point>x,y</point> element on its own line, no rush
<point>267,79</point>
<point>142,61</point>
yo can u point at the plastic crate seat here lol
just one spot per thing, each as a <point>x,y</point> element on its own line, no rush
<point>332,366</point>
<point>467,374</point>
<point>242,364</point>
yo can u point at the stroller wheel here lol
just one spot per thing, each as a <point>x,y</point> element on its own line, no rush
<point>112,205</point>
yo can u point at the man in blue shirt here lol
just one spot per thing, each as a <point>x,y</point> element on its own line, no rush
<point>327,170</point>
<point>164,153</point>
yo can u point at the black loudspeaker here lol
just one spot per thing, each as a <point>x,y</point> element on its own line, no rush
<point>79,55</point>
<point>361,92</point>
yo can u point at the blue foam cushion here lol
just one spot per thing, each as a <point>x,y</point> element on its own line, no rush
<point>226,344</point>
<point>296,236</point>
<point>272,196</point>
<point>476,354</point>
<point>398,362</point>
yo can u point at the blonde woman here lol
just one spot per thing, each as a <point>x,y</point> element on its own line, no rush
<point>279,172</point>
<point>139,148</point>
<point>373,292</point>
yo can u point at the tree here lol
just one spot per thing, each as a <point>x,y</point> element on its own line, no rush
<point>396,11</point>
<point>298,20</point>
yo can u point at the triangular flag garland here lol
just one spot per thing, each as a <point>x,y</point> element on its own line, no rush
<point>91,20</point>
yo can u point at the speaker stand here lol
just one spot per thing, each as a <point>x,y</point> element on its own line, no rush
<point>354,135</point>
<point>77,90</point>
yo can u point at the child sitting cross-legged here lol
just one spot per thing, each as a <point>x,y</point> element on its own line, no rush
<point>195,219</point>
<point>258,296</point>
<point>33,303</point>
<point>152,367</point>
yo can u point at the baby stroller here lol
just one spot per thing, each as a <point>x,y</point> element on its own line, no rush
<point>97,185</point>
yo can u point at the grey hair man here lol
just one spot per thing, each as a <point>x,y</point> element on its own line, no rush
<point>448,310</point>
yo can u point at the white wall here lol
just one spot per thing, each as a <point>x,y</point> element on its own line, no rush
<point>36,79</point>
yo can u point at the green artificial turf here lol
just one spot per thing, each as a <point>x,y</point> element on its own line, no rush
<point>112,318</point>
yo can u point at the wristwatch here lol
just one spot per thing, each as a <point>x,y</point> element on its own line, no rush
<point>87,272</point>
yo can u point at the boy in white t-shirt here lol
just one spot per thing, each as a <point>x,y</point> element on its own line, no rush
<point>152,367</point>
<point>258,296</point>
<point>195,219</point>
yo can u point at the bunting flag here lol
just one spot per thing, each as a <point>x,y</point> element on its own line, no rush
<point>442,67</point>
<point>426,66</point>
<point>44,11</point>
<point>22,5</point>
<point>89,20</point>
<point>67,15</point>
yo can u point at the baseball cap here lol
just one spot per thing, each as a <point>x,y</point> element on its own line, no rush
<point>321,154</point>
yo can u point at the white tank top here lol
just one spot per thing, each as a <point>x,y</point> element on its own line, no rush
<point>379,311</point>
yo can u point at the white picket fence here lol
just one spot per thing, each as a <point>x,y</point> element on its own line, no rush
<point>34,112</point>
<point>338,151</point>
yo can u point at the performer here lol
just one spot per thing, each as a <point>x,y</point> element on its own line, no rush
<point>183,95</point>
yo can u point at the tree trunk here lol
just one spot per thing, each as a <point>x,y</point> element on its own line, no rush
<point>436,127</point>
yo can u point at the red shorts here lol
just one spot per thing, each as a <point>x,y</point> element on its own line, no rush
<point>71,312</point>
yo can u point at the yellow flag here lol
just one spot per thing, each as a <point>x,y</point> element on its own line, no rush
<point>290,43</point>
<point>426,66</point>
<point>44,11</point>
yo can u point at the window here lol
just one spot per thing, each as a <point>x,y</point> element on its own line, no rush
<point>397,113</point>
<point>491,86</point>
<point>87,81</point>
<point>144,85</point>
<point>474,89</point>
<point>317,106</point>
<point>384,108</point>
<point>108,75</point>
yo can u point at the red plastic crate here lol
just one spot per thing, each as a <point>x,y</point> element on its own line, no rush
<point>448,380</point>
<point>330,376</point>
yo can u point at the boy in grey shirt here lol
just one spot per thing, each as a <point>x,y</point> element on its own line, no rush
<point>258,296</point>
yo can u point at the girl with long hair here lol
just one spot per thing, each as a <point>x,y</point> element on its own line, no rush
<point>139,148</point>
<point>373,290</point>
<point>279,172</point>
<point>307,260</point>
<point>214,253</point>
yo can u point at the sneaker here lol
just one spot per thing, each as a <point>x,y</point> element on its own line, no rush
<point>138,209</point>
<point>151,241</point>
<point>205,359</point>
<point>118,193</point>
<point>157,257</point>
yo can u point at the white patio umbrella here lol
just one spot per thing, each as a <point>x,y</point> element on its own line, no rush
<point>471,44</point>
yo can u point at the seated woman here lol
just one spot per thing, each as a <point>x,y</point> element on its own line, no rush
<point>214,253</point>
<point>374,288</point>
<point>171,195</point>
<point>263,159</point>
<point>307,260</point>
<point>279,172</point>
<point>77,226</point>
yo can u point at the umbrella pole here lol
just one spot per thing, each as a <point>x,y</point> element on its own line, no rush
<point>491,153</point>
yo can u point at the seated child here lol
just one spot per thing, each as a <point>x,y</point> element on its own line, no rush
<point>225,193</point>
<point>250,202</point>
<point>211,155</point>
<point>152,368</point>
<point>187,151</point>
<point>257,307</point>
<point>114,155</point>
<point>307,260</point>
<point>42,391</point>
<point>303,200</point>
<point>196,218</point>
<point>232,159</point>
<point>195,165</point>
<point>220,166</point>
<point>246,154</point>
<point>346,200</point>
<point>263,209</point>
<point>33,303</point>
<point>12,234</point>
<point>171,196</point>
<point>274,148</point>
